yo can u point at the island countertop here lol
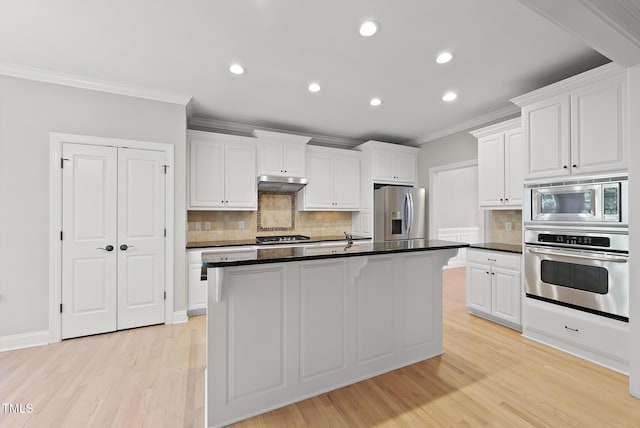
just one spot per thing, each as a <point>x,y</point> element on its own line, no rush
<point>299,253</point>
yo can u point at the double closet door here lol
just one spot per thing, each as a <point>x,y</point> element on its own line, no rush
<point>113,242</point>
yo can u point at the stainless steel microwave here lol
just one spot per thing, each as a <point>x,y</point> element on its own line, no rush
<point>603,200</point>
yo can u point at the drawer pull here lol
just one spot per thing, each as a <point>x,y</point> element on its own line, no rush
<point>491,260</point>
<point>575,330</point>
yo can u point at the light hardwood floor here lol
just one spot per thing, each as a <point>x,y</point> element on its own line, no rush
<point>488,376</point>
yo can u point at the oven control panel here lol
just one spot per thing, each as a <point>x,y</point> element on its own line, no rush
<point>588,241</point>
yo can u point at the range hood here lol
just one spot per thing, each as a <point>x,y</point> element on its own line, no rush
<point>273,183</point>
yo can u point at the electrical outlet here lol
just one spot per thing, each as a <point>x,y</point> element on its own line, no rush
<point>507,226</point>
<point>241,225</point>
<point>207,225</point>
<point>197,225</point>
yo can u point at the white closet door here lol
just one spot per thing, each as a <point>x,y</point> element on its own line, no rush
<point>140,249</point>
<point>89,258</point>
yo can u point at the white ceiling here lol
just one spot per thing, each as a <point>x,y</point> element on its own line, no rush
<point>501,49</point>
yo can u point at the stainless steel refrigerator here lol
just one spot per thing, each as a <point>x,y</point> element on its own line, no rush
<point>399,213</point>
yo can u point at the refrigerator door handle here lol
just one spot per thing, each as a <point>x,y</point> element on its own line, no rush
<point>410,219</point>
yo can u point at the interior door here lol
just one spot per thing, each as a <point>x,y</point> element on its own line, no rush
<point>140,245</point>
<point>89,259</point>
<point>113,239</point>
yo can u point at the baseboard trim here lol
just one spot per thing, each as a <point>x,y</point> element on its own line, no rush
<point>180,317</point>
<point>26,340</point>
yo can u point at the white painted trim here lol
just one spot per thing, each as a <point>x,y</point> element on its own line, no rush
<point>433,191</point>
<point>55,220</point>
<point>180,317</point>
<point>507,125</point>
<point>478,121</point>
<point>25,340</point>
<point>599,74</point>
<point>42,75</point>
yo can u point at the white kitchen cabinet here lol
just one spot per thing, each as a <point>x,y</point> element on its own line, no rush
<point>500,165</point>
<point>334,180</point>
<point>197,287</point>
<point>493,286</point>
<point>222,172</point>
<point>281,154</point>
<point>577,126</point>
<point>382,163</point>
<point>595,338</point>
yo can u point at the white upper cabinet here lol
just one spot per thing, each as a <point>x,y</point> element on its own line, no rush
<point>334,180</point>
<point>222,172</point>
<point>281,154</point>
<point>392,163</point>
<point>577,126</point>
<point>500,165</point>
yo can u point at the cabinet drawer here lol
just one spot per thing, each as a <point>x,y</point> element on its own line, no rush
<point>596,334</point>
<point>494,258</point>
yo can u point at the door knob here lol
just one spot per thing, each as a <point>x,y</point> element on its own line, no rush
<point>124,247</point>
<point>107,248</point>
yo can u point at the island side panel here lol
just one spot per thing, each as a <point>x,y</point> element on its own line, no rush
<point>284,332</point>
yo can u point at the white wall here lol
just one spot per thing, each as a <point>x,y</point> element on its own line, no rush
<point>29,111</point>
<point>634,231</point>
<point>457,200</point>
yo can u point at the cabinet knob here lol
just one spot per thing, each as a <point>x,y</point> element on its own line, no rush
<point>565,167</point>
<point>501,199</point>
<point>506,199</point>
<point>285,170</point>
<point>574,166</point>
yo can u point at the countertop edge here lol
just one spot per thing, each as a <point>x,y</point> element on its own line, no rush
<point>503,248</point>
<point>328,256</point>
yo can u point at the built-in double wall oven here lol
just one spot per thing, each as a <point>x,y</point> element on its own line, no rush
<point>577,244</point>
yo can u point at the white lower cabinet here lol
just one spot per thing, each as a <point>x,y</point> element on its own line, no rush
<point>494,290</point>
<point>595,338</point>
<point>197,287</point>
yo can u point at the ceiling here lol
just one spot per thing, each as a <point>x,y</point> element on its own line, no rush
<point>501,49</point>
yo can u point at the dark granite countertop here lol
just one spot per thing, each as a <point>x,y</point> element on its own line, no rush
<point>289,254</point>
<point>497,246</point>
<point>238,243</point>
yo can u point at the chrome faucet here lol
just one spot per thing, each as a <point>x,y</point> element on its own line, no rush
<point>349,238</point>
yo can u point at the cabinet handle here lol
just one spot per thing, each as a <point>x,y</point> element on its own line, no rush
<point>574,166</point>
<point>491,260</point>
<point>487,273</point>
<point>107,248</point>
<point>575,330</point>
<point>565,167</point>
<point>493,273</point>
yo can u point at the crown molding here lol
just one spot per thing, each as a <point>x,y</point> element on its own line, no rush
<point>507,125</point>
<point>47,76</point>
<point>598,74</point>
<point>478,121</point>
<point>214,125</point>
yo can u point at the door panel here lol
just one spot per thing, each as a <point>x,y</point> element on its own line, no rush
<point>140,238</point>
<point>89,207</point>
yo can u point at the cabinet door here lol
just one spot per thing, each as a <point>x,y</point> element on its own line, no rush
<point>319,192</point>
<point>383,166</point>
<point>270,155</point>
<point>404,167</point>
<point>491,170</point>
<point>197,289</point>
<point>506,294</point>
<point>479,287</point>
<point>546,127</point>
<point>598,128</point>
<point>240,176</point>
<point>294,159</point>
<point>346,182</point>
<point>206,176</point>
<point>513,167</point>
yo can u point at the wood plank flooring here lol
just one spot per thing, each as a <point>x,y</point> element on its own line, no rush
<point>489,376</point>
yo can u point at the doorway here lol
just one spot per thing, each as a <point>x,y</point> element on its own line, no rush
<point>113,201</point>
<point>454,213</point>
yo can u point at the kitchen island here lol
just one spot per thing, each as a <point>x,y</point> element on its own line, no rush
<point>295,322</point>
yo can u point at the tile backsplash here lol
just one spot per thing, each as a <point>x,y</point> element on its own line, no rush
<point>241,225</point>
<point>497,224</point>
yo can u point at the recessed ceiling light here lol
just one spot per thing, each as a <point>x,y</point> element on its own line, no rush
<point>449,96</point>
<point>375,102</point>
<point>236,69</point>
<point>444,58</point>
<point>369,28</point>
<point>314,87</point>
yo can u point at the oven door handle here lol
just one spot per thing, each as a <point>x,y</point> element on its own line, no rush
<point>612,259</point>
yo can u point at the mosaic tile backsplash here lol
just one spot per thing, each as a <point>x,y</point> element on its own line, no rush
<point>498,232</point>
<point>225,225</point>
